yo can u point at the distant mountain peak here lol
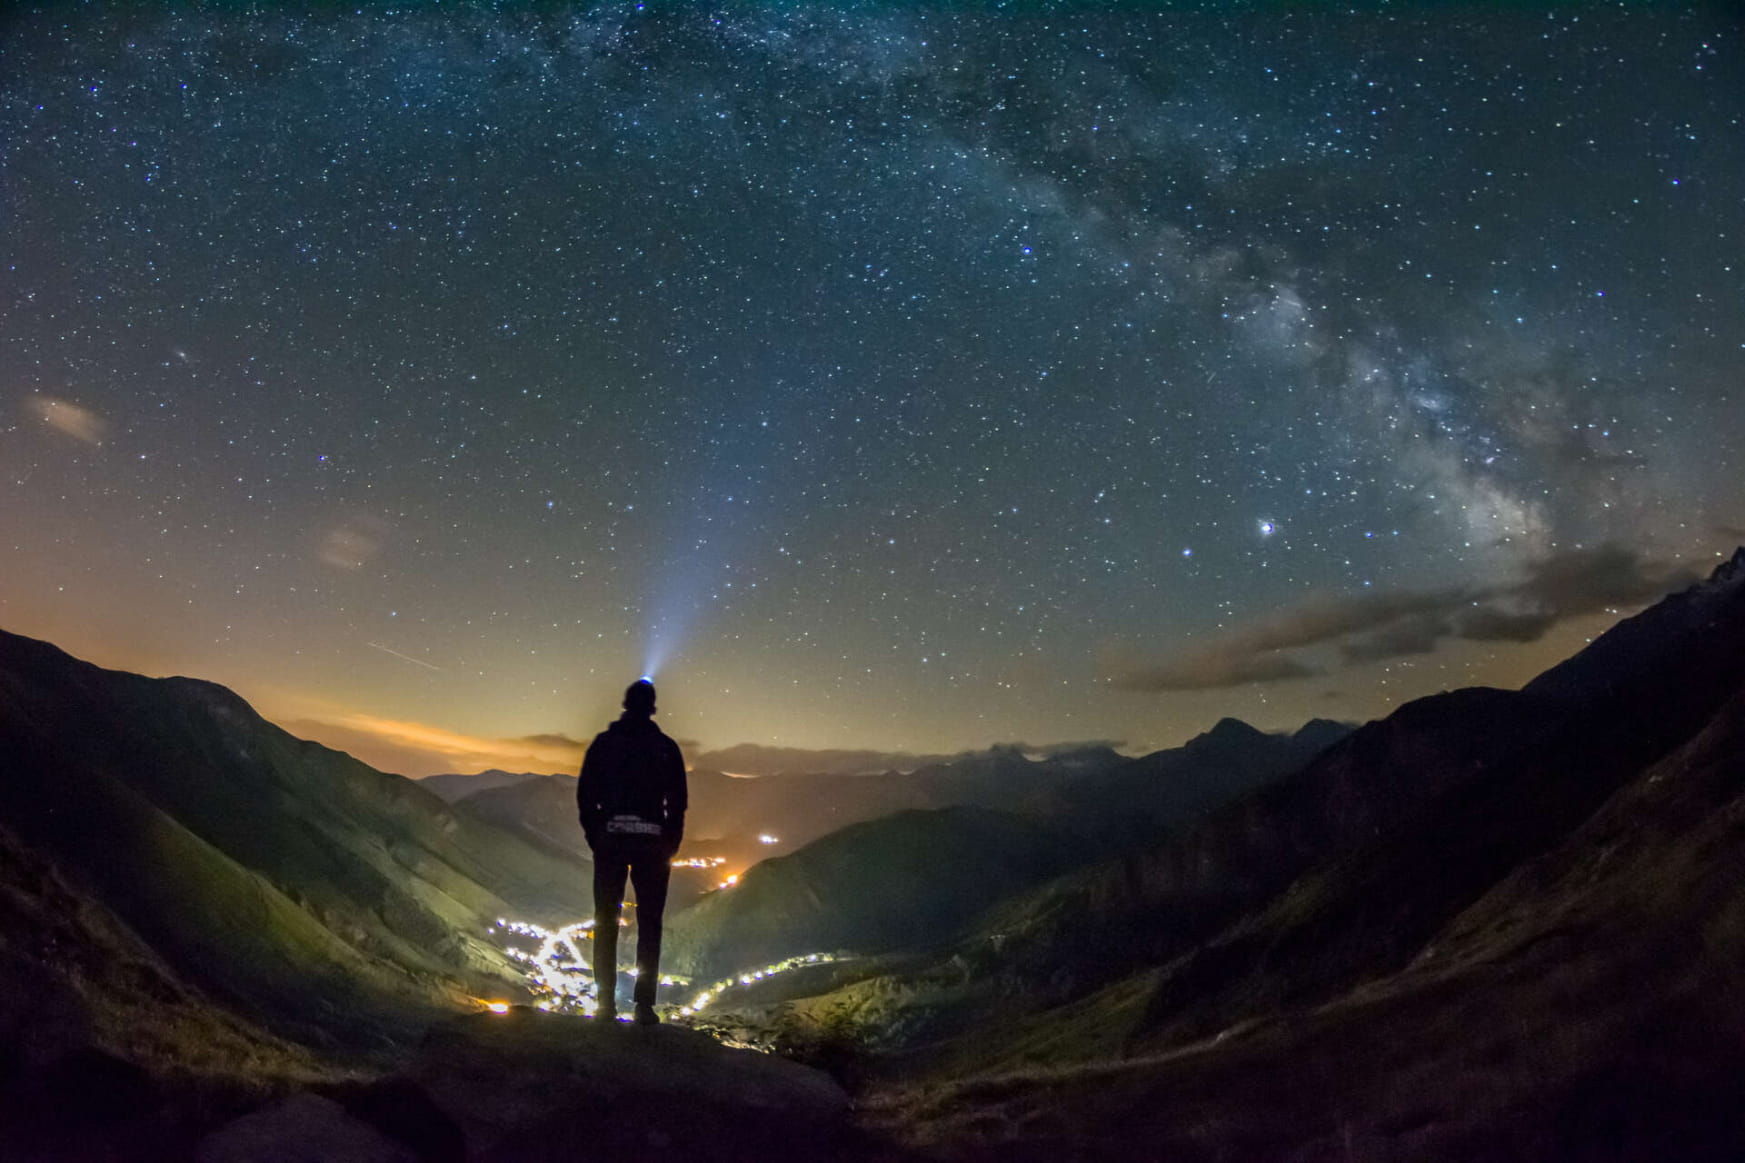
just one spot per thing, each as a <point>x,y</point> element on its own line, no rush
<point>1722,582</point>
<point>1695,629</point>
<point>1729,572</point>
<point>1226,732</point>
<point>453,787</point>
<point>1322,732</point>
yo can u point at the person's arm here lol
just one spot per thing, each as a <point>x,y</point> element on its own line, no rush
<point>588,792</point>
<point>677,797</point>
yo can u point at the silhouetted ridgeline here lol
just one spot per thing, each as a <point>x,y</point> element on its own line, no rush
<point>907,881</point>
<point>1499,925</point>
<point>1495,924</point>
<point>916,878</point>
<point>1403,823</point>
<point>455,787</point>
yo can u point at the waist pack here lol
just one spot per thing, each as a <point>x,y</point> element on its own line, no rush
<point>631,826</point>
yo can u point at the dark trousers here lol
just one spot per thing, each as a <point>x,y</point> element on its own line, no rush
<point>647,862</point>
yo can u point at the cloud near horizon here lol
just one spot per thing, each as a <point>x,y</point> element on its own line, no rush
<point>419,749</point>
<point>762,759</point>
<point>1373,627</point>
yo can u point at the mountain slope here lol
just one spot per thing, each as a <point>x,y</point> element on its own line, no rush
<point>1103,800</point>
<point>457,787</point>
<point>1498,925</point>
<point>289,879</point>
<point>1064,811</point>
<point>1342,871</point>
<point>103,990</point>
<point>541,808</point>
<point>1588,1005</point>
<point>905,881</point>
<point>1140,801</point>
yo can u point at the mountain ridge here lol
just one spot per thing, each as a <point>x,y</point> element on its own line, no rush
<point>1627,711</point>
<point>279,874</point>
<point>1058,820</point>
<point>1494,924</point>
<point>1437,894</point>
<point>1586,1005</point>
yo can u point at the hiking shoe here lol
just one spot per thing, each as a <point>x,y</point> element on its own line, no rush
<point>645,1015</point>
<point>606,1014</point>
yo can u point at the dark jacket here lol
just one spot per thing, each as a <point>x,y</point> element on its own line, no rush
<point>632,782</point>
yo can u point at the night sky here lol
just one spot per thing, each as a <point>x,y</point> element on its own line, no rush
<point>887,377</point>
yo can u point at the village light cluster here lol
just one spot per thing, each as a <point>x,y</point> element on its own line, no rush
<point>700,862</point>
<point>558,969</point>
<point>703,1000</point>
<point>559,972</point>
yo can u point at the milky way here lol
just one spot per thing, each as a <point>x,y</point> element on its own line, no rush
<point>881,377</point>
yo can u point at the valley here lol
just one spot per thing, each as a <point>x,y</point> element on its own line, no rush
<point>1495,923</point>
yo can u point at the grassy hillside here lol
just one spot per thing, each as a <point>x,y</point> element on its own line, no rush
<point>914,879</point>
<point>1343,871</point>
<point>908,880</point>
<point>100,987</point>
<point>1495,925</point>
<point>1106,798</point>
<point>283,876</point>
<point>542,808</point>
<point>1587,1006</point>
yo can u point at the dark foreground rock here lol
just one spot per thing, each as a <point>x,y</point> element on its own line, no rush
<point>304,1128</point>
<point>530,1086</point>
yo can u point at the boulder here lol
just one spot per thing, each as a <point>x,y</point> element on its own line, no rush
<point>530,1086</point>
<point>304,1128</point>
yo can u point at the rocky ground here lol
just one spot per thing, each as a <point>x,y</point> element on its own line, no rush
<point>525,1086</point>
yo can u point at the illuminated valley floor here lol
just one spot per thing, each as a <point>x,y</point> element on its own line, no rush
<point>561,980</point>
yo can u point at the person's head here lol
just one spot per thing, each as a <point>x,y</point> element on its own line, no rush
<point>639,697</point>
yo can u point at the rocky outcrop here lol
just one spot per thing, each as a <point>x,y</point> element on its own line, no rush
<point>529,1086</point>
<point>302,1128</point>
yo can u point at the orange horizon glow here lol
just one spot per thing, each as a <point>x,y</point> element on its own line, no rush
<point>440,739</point>
<point>420,749</point>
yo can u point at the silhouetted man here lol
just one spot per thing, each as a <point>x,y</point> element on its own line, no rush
<point>632,800</point>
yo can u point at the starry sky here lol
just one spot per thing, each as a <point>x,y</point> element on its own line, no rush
<point>900,377</point>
